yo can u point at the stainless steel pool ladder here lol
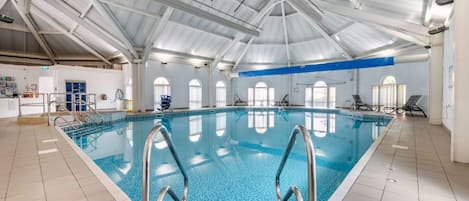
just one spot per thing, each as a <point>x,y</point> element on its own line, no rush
<point>146,166</point>
<point>101,118</point>
<point>311,166</point>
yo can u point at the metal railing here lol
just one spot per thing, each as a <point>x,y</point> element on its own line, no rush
<point>101,118</point>
<point>36,104</point>
<point>146,166</point>
<point>69,123</point>
<point>311,166</point>
<point>62,107</point>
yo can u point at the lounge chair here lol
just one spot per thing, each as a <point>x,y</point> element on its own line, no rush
<point>411,105</point>
<point>239,102</point>
<point>284,101</point>
<point>165,103</point>
<point>358,104</point>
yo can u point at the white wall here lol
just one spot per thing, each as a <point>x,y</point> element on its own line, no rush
<point>99,81</point>
<point>342,80</point>
<point>179,76</point>
<point>414,75</point>
<point>448,81</point>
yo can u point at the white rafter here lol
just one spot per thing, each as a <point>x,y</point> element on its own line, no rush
<point>155,31</point>
<point>23,7</point>
<point>2,3</point>
<point>366,17</point>
<point>313,19</point>
<point>36,11</point>
<point>258,20</point>
<point>426,11</point>
<point>129,8</point>
<point>356,4</point>
<point>416,39</point>
<point>114,22</point>
<point>102,34</point>
<point>196,11</point>
<point>285,33</point>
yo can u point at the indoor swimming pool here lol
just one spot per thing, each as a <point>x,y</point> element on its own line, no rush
<point>232,154</point>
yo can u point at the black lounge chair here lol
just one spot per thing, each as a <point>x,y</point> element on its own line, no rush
<point>411,105</point>
<point>284,101</point>
<point>358,104</point>
<point>165,103</point>
<point>239,102</point>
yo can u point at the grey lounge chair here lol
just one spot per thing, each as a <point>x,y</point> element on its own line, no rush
<point>359,104</point>
<point>411,105</point>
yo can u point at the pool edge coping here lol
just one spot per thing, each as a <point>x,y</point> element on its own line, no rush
<point>110,186</point>
<point>345,186</point>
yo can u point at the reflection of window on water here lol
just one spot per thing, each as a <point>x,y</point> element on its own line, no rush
<point>195,128</point>
<point>195,94</point>
<point>221,124</point>
<point>320,96</point>
<point>320,123</point>
<point>261,95</point>
<point>374,132</point>
<point>261,121</point>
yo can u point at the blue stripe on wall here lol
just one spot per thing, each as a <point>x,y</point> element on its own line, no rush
<point>343,65</point>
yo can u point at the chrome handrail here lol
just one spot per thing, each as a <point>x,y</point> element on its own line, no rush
<point>60,106</point>
<point>311,166</point>
<point>65,120</point>
<point>92,109</point>
<point>146,166</point>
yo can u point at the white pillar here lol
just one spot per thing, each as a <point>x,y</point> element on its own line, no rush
<point>138,72</point>
<point>210,85</point>
<point>460,136</point>
<point>436,80</point>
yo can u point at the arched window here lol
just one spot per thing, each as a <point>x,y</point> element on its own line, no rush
<point>195,94</point>
<point>220,94</point>
<point>261,95</point>
<point>320,95</point>
<point>128,89</point>
<point>161,87</point>
<point>389,94</point>
<point>389,80</point>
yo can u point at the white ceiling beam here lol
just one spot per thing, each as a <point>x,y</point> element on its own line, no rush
<point>155,31</point>
<point>180,5</point>
<point>129,8</point>
<point>182,55</point>
<point>16,60</point>
<point>365,17</point>
<point>356,4</point>
<point>285,33</point>
<point>313,19</point>
<point>416,39</point>
<point>379,51</point>
<point>258,20</point>
<point>87,10</point>
<point>12,27</point>
<point>50,32</point>
<point>100,33</point>
<point>2,3</point>
<point>242,53</point>
<point>22,54</point>
<point>114,22</point>
<point>23,8</point>
<point>426,12</point>
<point>56,25</point>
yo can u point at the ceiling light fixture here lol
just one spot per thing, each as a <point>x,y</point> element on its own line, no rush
<point>6,19</point>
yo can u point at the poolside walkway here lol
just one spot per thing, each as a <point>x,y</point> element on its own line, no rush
<point>421,172</point>
<point>38,164</point>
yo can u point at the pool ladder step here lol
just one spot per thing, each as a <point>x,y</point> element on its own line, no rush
<point>293,190</point>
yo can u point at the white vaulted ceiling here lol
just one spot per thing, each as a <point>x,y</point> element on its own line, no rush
<point>238,34</point>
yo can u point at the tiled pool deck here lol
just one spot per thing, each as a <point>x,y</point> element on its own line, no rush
<point>38,164</point>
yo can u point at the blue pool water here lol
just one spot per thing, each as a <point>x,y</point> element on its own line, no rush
<point>233,155</point>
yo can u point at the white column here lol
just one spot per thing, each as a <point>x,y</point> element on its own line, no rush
<point>436,80</point>
<point>460,136</point>
<point>138,72</point>
<point>210,85</point>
